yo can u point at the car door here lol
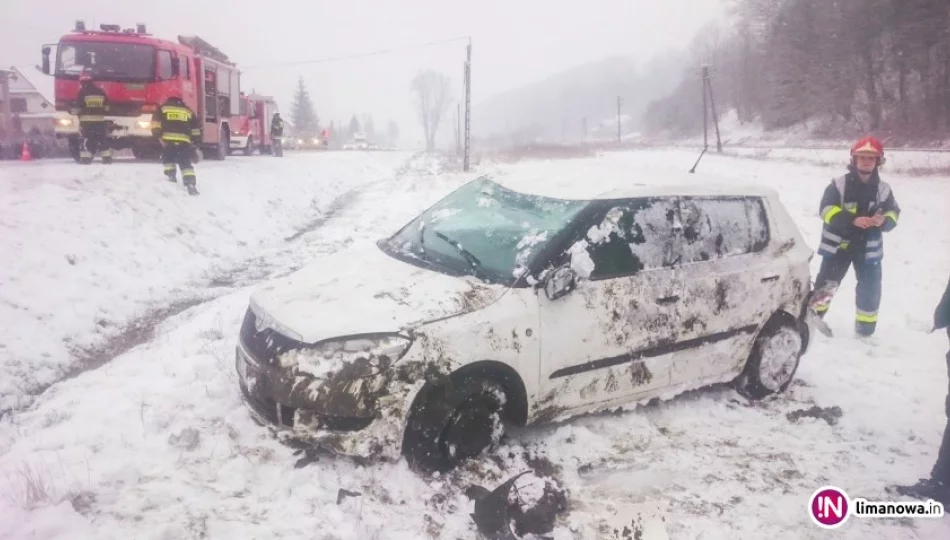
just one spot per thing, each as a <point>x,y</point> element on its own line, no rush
<point>599,343</point>
<point>731,284</point>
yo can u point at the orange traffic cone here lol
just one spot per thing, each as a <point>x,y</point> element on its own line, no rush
<point>25,155</point>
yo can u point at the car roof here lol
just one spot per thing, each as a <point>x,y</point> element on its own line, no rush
<point>627,184</point>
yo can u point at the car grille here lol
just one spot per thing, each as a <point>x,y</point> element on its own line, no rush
<point>125,109</point>
<point>267,344</point>
<point>270,410</point>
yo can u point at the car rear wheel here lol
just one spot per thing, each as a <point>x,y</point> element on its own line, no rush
<point>773,362</point>
<point>453,423</point>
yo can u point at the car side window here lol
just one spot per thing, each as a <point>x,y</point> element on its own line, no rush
<point>715,228</point>
<point>634,235</point>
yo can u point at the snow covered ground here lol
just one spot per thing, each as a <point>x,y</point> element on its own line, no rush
<point>88,251</point>
<point>155,443</point>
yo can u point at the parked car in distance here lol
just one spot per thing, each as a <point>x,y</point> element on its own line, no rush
<point>515,302</point>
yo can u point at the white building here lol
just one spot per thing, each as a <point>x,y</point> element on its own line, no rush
<point>32,101</point>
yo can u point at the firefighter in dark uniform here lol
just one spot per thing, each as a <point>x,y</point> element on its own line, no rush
<point>937,487</point>
<point>177,127</point>
<point>91,107</point>
<point>856,209</point>
<point>276,132</point>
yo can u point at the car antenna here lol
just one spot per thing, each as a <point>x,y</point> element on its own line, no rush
<point>693,170</point>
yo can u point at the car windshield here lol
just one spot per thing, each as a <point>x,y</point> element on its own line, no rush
<point>106,61</point>
<point>485,230</point>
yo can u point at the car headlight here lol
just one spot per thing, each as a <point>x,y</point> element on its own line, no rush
<point>299,141</point>
<point>65,121</point>
<point>143,124</point>
<point>355,357</point>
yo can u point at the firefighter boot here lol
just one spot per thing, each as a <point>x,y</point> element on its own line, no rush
<point>107,156</point>
<point>925,489</point>
<point>192,190</point>
<point>170,172</point>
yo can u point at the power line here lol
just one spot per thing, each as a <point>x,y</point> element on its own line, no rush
<point>361,55</point>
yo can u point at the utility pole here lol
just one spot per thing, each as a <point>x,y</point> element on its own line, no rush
<point>705,109</point>
<point>619,131</point>
<point>468,105</point>
<point>458,128</point>
<point>707,90</point>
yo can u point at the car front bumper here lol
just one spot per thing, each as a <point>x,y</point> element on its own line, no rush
<point>378,436</point>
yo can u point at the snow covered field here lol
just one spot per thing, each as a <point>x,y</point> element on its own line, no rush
<point>89,250</point>
<point>155,443</point>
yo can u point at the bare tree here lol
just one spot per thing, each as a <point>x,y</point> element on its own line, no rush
<point>432,90</point>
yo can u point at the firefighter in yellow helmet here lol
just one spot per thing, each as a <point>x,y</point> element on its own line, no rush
<point>177,128</point>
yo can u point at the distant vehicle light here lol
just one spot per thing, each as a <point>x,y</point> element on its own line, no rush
<point>143,124</point>
<point>65,121</point>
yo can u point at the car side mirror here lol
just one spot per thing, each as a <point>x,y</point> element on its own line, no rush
<point>46,51</point>
<point>560,282</point>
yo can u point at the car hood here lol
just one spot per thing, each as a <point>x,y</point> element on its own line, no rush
<point>363,290</point>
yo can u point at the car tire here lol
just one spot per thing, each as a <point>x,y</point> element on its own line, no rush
<point>452,423</point>
<point>773,362</point>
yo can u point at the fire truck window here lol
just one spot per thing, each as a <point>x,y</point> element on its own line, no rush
<point>164,65</point>
<point>224,85</point>
<point>186,67</point>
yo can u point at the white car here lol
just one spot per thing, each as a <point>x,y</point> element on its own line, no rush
<point>504,304</point>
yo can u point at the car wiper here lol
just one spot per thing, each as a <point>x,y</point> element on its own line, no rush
<point>471,259</point>
<point>422,239</point>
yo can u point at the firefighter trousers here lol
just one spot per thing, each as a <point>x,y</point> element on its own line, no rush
<point>178,154</point>
<point>868,291</point>
<point>95,139</point>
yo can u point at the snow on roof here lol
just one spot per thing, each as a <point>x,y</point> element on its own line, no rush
<point>41,82</point>
<point>587,179</point>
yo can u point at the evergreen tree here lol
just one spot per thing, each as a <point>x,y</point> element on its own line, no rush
<point>354,126</point>
<point>302,114</point>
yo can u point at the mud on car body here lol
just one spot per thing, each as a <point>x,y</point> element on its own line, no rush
<point>517,304</point>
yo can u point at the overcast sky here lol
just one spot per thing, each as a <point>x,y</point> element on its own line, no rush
<point>514,41</point>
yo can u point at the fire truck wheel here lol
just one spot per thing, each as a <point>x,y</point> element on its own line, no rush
<point>74,148</point>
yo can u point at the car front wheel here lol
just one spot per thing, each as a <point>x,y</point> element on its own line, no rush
<point>453,423</point>
<point>773,362</point>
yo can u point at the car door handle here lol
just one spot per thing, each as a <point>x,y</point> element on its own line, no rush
<point>767,279</point>
<point>668,299</point>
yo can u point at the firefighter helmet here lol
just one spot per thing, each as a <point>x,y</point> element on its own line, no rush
<point>868,146</point>
<point>85,77</point>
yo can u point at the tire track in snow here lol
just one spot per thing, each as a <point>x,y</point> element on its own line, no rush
<point>242,274</point>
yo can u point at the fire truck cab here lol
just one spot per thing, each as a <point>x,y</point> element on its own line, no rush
<point>251,128</point>
<point>138,73</point>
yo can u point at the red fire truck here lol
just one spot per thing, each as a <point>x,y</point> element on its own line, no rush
<point>250,130</point>
<point>138,72</point>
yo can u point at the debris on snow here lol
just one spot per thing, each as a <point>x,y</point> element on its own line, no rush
<point>188,439</point>
<point>828,414</point>
<point>344,493</point>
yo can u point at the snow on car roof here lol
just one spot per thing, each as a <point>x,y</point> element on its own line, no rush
<point>593,179</point>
